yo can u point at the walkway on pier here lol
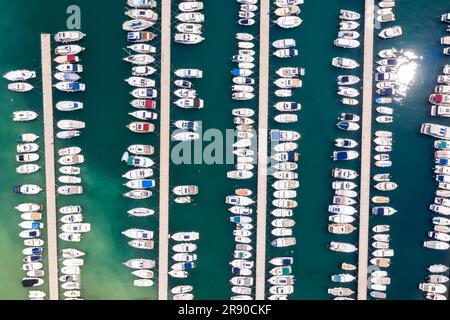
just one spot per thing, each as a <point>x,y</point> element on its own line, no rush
<point>164,151</point>
<point>366,139</point>
<point>50,187</point>
<point>262,149</point>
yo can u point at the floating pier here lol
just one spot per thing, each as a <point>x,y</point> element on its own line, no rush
<point>262,149</point>
<point>366,139</point>
<point>164,151</point>
<point>50,188</point>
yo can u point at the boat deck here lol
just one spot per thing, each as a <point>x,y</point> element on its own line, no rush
<point>366,139</point>
<point>164,151</point>
<point>50,188</point>
<point>262,149</point>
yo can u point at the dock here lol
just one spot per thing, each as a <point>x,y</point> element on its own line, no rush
<point>366,139</point>
<point>262,149</point>
<point>50,188</point>
<point>164,151</point>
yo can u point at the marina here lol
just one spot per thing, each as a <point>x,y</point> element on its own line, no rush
<point>336,213</point>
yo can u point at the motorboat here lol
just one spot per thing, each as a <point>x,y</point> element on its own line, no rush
<point>284,43</point>
<point>342,247</point>
<point>347,80</point>
<point>144,14</point>
<point>68,134</point>
<point>344,63</point>
<point>189,28</point>
<point>344,155</point>
<point>390,32</point>
<point>383,211</point>
<point>20,75</point>
<point>70,190</point>
<point>343,277</point>
<point>345,143</point>
<point>140,36</point>
<point>138,194</point>
<point>69,36</point>
<point>437,268</point>
<point>348,15</point>
<point>340,292</point>
<point>142,48</point>
<point>346,43</point>
<point>288,22</point>
<point>340,173</point>
<point>28,189</point>
<point>143,71</point>
<point>27,157</point>
<point>69,105</point>
<point>341,228</point>
<point>433,287</point>
<point>348,92</point>
<point>24,116</point>
<point>188,38</point>
<point>141,212</point>
<point>71,159</point>
<point>386,186</point>
<point>71,237</point>
<point>184,247</point>
<point>141,244</point>
<point>27,137</point>
<point>137,25</point>
<point>29,207</point>
<point>290,72</point>
<point>142,4</point>
<point>143,103</point>
<point>348,25</point>
<point>287,11</point>
<point>65,50</point>
<point>286,53</point>
<point>140,264</point>
<point>139,234</point>
<point>348,34</point>
<point>70,124</point>
<point>288,83</point>
<point>342,209</point>
<point>70,86</point>
<point>76,227</point>
<point>283,242</point>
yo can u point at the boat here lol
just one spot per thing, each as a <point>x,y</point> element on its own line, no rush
<point>20,75</point>
<point>284,43</point>
<point>184,247</point>
<point>72,237</point>
<point>283,242</point>
<point>348,15</point>
<point>69,36</point>
<point>390,32</point>
<point>343,277</point>
<point>346,43</point>
<point>342,247</point>
<point>24,116</point>
<point>142,48</point>
<point>141,244</point>
<point>347,80</point>
<point>29,189</point>
<point>344,155</point>
<point>437,268</point>
<point>20,87</point>
<point>140,264</point>
<point>286,53</point>
<point>137,25</point>
<point>290,72</point>
<point>71,159</point>
<point>386,186</point>
<point>139,234</point>
<point>189,28</point>
<point>189,73</point>
<point>340,292</point>
<point>140,36</point>
<point>145,14</point>
<point>70,86</point>
<point>68,134</point>
<point>344,63</point>
<point>288,22</point>
<point>433,287</point>
<point>437,278</point>
<point>348,25</point>
<point>141,127</point>
<point>27,157</point>
<point>188,38</point>
<point>70,124</point>
<point>191,17</point>
<point>343,228</point>
<point>345,143</point>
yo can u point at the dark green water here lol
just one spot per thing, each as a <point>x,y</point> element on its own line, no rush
<point>105,139</point>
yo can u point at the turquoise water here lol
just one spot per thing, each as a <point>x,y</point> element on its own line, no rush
<point>106,138</point>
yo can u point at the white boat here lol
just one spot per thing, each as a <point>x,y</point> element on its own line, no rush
<point>143,282</point>
<point>283,242</point>
<point>284,43</point>
<point>27,157</point>
<point>348,15</point>
<point>342,247</point>
<point>390,32</point>
<point>346,43</point>
<point>70,253</point>
<point>185,236</point>
<point>348,25</point>
<point>189,73</point>
<point>139,59</point>
<point>70,190</point>
<point>140,264</point>
<point>143,273</point>
<point>142,4</point>
<point>386,186</point>
<point>72,237</point>
<point>29,189</point>
<point>136,174</point>
<point>69,36</point>
<point>344,63</point>
<point>24,116</point>
<point>188,38</point>
<point>433,287</point>
<point>139,234</point>
<point>190,28</point>
<point>288,22</point>
<point>20,75</point>
<point>141,212</point>
<point>438,245</point>
<point>145,14</point>
<point>70,86</point>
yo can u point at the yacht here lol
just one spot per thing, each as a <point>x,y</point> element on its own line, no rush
<point>347,80</point>
<point>346,43</point>
<point>343,277</point>
<point>27,157</point>
<point>141,244</point>
<point>341,228</point>
<point>340,292</point>
<point>348,15</point>
<point>340,173</point>
<point>287,106</point>
<point>141,149</point>
<point>287,11</point>
<point>69,105</point>
<point>283,242</point>
<point>139,234</point>
<point>383,211</point>
<point>70,86</point>
<point>29,189</point>
<point>345,143</point>
<point>20,75</point>
<point>140,264</point>
<point>142,48</point>
<point>344,155</point>
<point>187,190</point>
<point>433,287</point>
<point>348,34</point>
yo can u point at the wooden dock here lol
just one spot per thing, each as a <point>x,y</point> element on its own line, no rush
<point>50,188</point>
<point>262,149</point>
<point>366,139</point>
<point>164,151</point>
